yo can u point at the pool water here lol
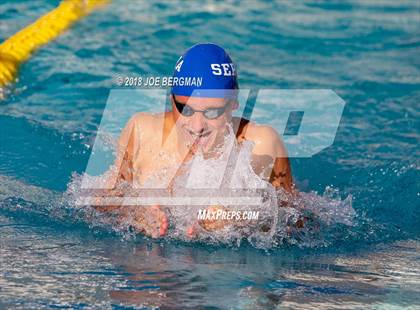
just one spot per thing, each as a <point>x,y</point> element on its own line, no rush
<point>366,51</point>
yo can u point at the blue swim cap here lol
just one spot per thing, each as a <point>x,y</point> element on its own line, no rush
<point>205,70</point>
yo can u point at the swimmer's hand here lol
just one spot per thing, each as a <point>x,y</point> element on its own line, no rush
<point>210,225</point>
<point>301,222</point>
<point>150,220</point>
<point>303,225</point>
<point>213,224</point>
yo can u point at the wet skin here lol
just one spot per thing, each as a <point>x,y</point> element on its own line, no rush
<point>180,138</point>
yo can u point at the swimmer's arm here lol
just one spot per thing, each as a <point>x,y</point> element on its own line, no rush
<point>272,152</point>
<point>121,171</point>
<point>270,144</point>
<point>281,174</point>
<point>125,152</point>
<point>268,150</point>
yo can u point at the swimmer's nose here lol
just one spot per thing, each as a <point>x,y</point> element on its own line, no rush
<point>197,123</point>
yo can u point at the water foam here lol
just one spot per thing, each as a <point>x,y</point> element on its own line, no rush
<point>235,179</point>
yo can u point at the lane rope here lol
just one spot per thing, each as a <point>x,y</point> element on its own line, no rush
<point>20,46</point>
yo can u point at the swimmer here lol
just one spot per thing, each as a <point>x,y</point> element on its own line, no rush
<point>197,123</point>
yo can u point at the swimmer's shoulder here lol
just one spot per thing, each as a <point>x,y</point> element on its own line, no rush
<point>267,140</point>
<point>147,124</point>
<point>145,119</point>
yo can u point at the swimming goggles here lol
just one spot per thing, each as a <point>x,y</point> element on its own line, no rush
<point>211,113</point>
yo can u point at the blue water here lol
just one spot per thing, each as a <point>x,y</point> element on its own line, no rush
<point>366,51</point>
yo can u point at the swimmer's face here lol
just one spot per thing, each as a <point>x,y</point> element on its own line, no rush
<point>201,130</point>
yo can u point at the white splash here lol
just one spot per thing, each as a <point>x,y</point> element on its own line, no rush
<point>231,171</point>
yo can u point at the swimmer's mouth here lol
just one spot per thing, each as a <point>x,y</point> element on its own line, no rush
<point>201,138</point>
<point>199,135</point>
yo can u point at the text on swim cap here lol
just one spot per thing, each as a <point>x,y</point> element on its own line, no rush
<point>179,64</point>
<point>226,69</point>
